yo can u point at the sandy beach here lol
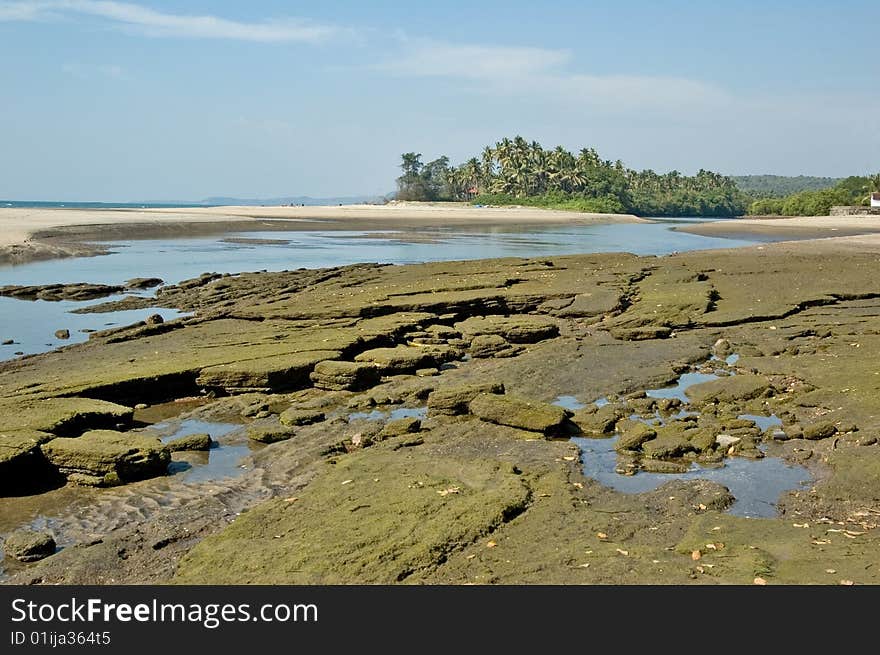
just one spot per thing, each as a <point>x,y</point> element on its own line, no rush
<point>38,233</point>
<point>791,227</point>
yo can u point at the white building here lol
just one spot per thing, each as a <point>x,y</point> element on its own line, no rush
<point>875,200</point>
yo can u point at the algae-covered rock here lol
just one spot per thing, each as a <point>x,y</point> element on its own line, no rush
<point>663,466</point>
<point>269,433</point>
<point>407,359</point>
<point>633,434</point>
<point>400,427</point>
<point>200,441</point>
<point>597,422</point>
<point>523,328</point>
<point>455,400</point>
<point>729,389</point>
<point>642,333</point>
<point>344,376</point>
<point>819,430</point>
<point>488,345</point>
<point>666,445</point>
<point>294,416</point>
<point>113,457</point>
<point>29,545</point>
<point>267,374</point>
<point>519,413</point>
<point>66,416</point>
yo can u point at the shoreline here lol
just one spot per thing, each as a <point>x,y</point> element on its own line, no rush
<point>32,234</point>
<point>788,227</point>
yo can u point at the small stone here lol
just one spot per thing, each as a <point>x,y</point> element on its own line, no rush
<point>8,342</point>
<point>721,348</point>
<point>427,372</point>
<point>29,545</point>
<point>141,406</point>
<point>62,334</point>
<point>155,319</point>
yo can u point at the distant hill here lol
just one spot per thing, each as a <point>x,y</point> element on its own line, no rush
<point>778,186</point>
<point>292,200</point>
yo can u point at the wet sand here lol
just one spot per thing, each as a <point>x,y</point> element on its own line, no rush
<point>28,234</point>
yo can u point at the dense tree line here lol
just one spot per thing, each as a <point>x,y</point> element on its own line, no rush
<point>514,171</point>
<point>779,186</point>
<point>854,190</point>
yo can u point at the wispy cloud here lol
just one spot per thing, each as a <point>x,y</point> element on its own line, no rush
<point>513,70</point>
<point>487,63</point>
<point>151,22</point>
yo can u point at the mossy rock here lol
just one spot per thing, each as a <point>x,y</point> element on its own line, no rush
<point>633,434</point>
<point>731,389</point>
<point>515,329</point>
<point>344,376</point>
<point>66,416</point>
<point>666,445</point>
<point>270,433</point>
<point>114,457</point>
<point>199,441</point>
<point>642,333</point>
<point>519,413</point>
<point>488,345</point>
<point>456,400</point>
<point>400,427</point>
<point>598,422</point>
<point>406,359</point>
<point>819,430</point>
<point>294,416</point>
<point>269,374</point>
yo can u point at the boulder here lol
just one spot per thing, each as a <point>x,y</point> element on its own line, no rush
<point>293,416</point>
<point>200,441</point>
<point>729,389</point>
<point>62,334</point>
<point>519,413</point>
<point>265,375</point>
<point>633,434</point>
<point>335,375</point>
<point>819,430</point>
<point>666,445</point>
<point>722,348</point>
<point>400,427</point>
<point>725,441</point>
<point>521,328</point>
<point>455,400</point>
<point>407,359</point>
<point>269,434</point>
<point>29,545</point>
<point>108,456</point>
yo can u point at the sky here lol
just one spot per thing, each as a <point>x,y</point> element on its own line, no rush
<point>157,100</point>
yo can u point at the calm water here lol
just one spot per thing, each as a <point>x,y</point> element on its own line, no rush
<point>32,324</point>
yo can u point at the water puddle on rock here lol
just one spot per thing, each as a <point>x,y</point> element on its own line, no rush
<point>222,460</point>
<point>389,415</point>
<point>756,484</point>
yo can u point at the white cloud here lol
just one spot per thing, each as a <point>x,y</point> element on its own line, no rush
<point>156,23</point>
<point>490,63</point>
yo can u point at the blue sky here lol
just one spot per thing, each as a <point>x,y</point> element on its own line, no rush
<point>182,100</point>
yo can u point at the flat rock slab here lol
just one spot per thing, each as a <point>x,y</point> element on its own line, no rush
<point>268,374</point>
<point>523,328</point>
<point>456,400</point>
<point>344,376</point>
<point>200,441</point>
<point>729,389</point>
<point>270,433</point>
<point>407,359</point>
<point>519,413</point>
<point>107,457</point>
<point>293,416</point>
<point>66,416</point>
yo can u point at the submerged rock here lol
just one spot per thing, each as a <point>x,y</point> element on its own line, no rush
<point>519,413</point>
<point>107,457</point>
<point>29,545</point>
